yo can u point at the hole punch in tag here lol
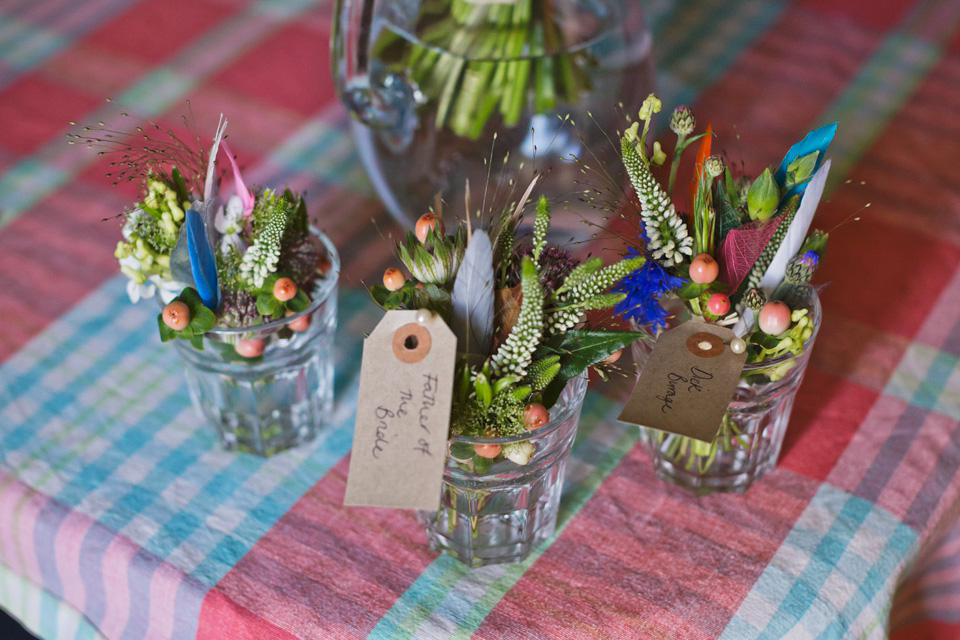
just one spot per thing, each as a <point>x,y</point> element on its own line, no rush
<point>403,413</point>
<point>687,382</point>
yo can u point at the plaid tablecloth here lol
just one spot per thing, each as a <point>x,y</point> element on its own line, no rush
<point>120,517</point>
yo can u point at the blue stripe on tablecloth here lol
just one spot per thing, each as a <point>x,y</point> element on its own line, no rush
<point>104,334</point>
<point>856,548</point>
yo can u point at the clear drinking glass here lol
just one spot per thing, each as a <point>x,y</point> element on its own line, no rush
<point>752,431</point>
<point>500,515</point>
<point>442,90</point>
<point>280,399</point>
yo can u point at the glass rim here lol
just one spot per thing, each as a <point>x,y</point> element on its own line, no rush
<point>543,431</point>
<point>328,284</point>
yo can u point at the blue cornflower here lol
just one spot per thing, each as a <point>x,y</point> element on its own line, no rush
<point>644,288</point>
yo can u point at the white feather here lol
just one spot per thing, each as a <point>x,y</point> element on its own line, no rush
<point>797,232</point>
<point>208,193</point>
<point>472,296</point>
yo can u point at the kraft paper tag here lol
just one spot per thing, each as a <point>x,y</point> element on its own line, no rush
<point>688,381</point>
<point>403,413</point>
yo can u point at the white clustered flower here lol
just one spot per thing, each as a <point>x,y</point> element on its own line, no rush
<point>666,231</point>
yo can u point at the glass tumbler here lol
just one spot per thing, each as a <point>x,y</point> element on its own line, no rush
<point>500,514</point>
<point>280,399</point>
<point>751,432</point>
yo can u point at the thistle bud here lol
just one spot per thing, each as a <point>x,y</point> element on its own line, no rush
<point>714,166</point>
<point>763,197</point>
<point>801,267</point>
<point>682,121</point>
<point>797,272</point>
<point>754,299</point>
<point>433,264</point>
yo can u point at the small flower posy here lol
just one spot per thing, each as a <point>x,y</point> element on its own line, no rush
<point>747,259</point>
<point>515,307</point>
<point>234,265</point>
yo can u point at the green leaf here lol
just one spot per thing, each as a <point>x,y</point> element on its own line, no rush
<point>483,390</point>
<point>503,383</point>
<point>202,321</point>
<point>166,333</point>
<point>481,464</point>
<point>267,304</point>
<point>197,342</point>
<point>578,350</point>
<point>727,214</point>
<point>461,451</point>
<point>299,302</point>
<point>380,293</point>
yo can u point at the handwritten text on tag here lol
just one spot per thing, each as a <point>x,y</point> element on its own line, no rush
<point>403,413</point>
<point>688,381</point>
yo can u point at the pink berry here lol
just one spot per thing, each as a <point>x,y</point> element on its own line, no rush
<point>718,304</point>
<point>393,279</point>
<point>299,324</point>
<point>487,450</point>
<point>427,222</point>
<point>704,269</point>
<point>250,348</point>
<point>613,357</point>
<point>774,317</point>
<point>535,415</point>
<point>176,315</point>
<point>284,289</point>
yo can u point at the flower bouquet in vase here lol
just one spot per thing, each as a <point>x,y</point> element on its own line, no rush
<point>517,308</point>
<point>247,288</point>
<point>739,269</point>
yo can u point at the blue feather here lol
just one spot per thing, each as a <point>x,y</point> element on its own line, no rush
<point>816,140</point>
<point>203,266</point>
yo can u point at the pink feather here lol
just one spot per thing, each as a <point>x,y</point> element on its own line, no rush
<point>245,196</point>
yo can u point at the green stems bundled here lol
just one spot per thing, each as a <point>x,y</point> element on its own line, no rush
<point>474,59</point>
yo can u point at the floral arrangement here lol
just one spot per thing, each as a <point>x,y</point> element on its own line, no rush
<point>744,258</point>
<point>747,250</point>
<point>233,264</point>
<point>518,308</point>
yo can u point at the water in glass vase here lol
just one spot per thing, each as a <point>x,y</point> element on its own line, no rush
<point>452,85</point>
